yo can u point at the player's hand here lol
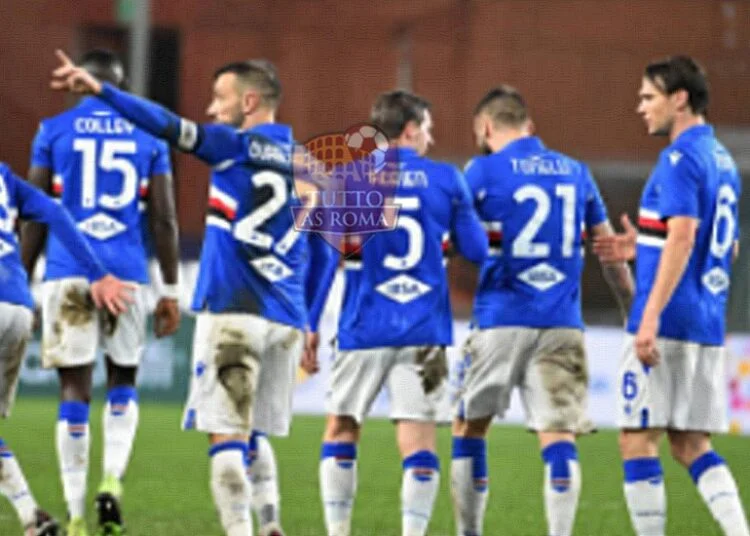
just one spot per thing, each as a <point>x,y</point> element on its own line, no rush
<point>166,317</point>
<point>112,293</point>
<point>309,361</point>
<point>618,247</point>
<point>645,342</point>
<point>70,77</point>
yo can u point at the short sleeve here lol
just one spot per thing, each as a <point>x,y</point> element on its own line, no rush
<point>41,151</point>
<point>680,187</point>
<point>161,163</point>
<point>596,210</point>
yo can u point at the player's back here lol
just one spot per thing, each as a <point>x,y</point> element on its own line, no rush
<point>253,258</point>
<point>396,287</point>
<point>695,177</point>
<point>536,205</point>
<point>101,165</point>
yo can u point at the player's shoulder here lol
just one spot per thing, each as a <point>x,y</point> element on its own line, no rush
<point>4,169</point>
<point>269,144</point>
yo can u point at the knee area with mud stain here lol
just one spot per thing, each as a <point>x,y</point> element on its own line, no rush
<point>433,367</point>
<point>237,366</point>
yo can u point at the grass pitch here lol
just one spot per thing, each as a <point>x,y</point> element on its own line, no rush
<point>167,494</point>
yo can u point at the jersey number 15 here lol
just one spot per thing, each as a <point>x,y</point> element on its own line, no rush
<point>112,156</point>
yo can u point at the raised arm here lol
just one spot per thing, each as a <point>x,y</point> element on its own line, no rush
<point>210,143</point>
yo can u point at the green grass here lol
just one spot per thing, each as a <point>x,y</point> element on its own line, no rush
<point>167,485</point>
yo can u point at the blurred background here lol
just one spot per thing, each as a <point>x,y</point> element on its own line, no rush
<point>578,63</point>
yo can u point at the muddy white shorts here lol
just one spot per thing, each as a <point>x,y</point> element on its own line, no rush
<point>15,332</point>
<point>73,329</point>
<point>239,359</point>
<point>548,366</point>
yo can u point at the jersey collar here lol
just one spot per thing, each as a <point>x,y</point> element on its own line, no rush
<point>526,144</point>
<point>274,131</point>
<point>694,132</point>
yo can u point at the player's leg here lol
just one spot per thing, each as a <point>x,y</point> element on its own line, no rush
<point>554,393</point>
<point>226,365</point>
<point>643,413</point>
<point>490,370</point>
<point>262,470</point>
<point>272,417</point>
<point>703,411</point>
<point>416,385</point>
<point>356,378</point>
<point>338,473</point>
<point>70,335</point>
<point>123,342</point>
<point>15,331</point>
<point>120,421</point>
<point>713,479</point>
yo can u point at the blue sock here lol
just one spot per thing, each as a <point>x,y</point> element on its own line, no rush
<point>423,465</point>
<point>476,449</point>
<point>558,456</point>
<point>76,414</point>
<point>119,397</point>
<point>345,454</point>
<point>703,464</point>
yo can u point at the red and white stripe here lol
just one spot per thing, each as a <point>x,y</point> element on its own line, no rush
<point>223,202</point>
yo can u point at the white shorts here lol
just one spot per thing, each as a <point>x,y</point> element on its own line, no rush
<point>687,390</point>
<point>15,332</point>
<point>415,377</point>
<point>547,365</point>
<point>73,329</point>
<point>241,361</point>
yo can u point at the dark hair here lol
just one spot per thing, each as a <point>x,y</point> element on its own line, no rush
<point>105,65</point>
<point>394,109</point>
<point>505,105</point>
<point>681,72</point>
<point>260,74</point>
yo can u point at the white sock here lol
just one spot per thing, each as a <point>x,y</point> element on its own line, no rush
<point>264,477</point>
<point>645,496</point>
<point>562,487</point>
<point>72,439</point>
<point>13,485</point>
<point>469,484</point>
<point>231,488</point>
<point>338,485</point>
<point>719,491</point>
<point>419,488</point>
<point>120,424</point>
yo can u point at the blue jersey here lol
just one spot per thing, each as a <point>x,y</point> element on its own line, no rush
<point>695,177</point>
<point>253,259</point>
<point>536,206</point>
<point>18,198</point>
<point>101,165</point>
<point>396,287</point>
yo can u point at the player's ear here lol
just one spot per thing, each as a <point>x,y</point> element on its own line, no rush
<point>681,99</point>
<point>250,101</point>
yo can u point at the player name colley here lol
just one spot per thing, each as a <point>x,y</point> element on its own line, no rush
<point>103,125</point>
